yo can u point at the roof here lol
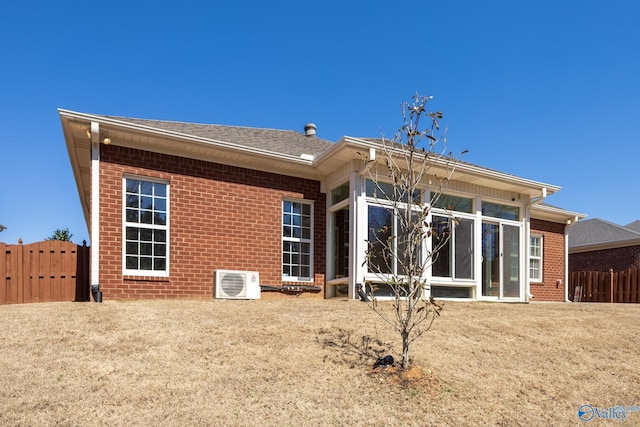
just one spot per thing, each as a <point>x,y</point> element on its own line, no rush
<point>276,140</point>
<point>635,225</point>
<point>283,152</point>
<point>597,234</point>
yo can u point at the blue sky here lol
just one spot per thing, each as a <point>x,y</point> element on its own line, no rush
<point>546,90</point>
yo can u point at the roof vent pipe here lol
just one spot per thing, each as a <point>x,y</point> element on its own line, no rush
<point>310,129</point>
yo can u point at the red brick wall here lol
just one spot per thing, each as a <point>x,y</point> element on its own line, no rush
<point>221,217</point>
<point>619,259</point>
<point>553,252</point>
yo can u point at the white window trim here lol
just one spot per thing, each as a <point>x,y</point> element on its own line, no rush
<point>540,258</point>
<point>292,239</point>
<point>146,273</point>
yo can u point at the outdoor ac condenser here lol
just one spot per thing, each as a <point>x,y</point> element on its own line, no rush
<point>232,284</point>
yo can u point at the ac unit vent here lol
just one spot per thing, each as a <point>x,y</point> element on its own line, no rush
<point>237,284</point>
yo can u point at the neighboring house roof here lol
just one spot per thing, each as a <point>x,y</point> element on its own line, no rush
<point>597,234</point>
<point>635,225</point>
<point>278,151</point>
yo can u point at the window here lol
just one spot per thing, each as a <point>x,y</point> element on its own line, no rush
<point>535,258</point>
<point>496,210</point>
<point>297,229</point>
<point>453,203</point>
<point>389,247</point>
<point>146,227</point>
<point>453,240</point>
<point>386,191</point>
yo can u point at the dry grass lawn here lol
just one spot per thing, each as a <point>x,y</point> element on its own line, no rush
<point>302,362</point>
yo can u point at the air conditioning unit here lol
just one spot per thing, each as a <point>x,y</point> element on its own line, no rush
<point>237,284</point>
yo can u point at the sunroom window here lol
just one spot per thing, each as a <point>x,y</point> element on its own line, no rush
<point>146,229</point>
<point>452,238</point>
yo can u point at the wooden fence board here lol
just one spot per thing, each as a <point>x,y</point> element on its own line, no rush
<point>52,270</point>
<point>595,286</point>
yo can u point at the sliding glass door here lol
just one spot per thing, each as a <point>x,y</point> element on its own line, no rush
<point>500,260</point>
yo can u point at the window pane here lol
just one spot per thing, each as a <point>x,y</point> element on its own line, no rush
<point>133,186</point>
<point>500,211</point>
<point>340,193</point>
<point>453,203</point>
<point>160,190</point>
<point>145,249</point>
<point>133,201</point>
<point>146,234</point>
<point>145,263</point>
<point>146,188</point>
<point>160,218</point>
<point>146,202</point>
<point>132,263</point>
<point>441,231</point>
<point>145,217</point>
<point>160,235</point>
<point>159,264</point>
<point>160,204</point>
<point>132,215</point>
<point>463,246</point>
<point>159,250</point>
<point>132,248</point>
<point>380,232</point>
<point>132,233</point>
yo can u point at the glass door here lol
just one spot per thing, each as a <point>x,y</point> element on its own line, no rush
<point>490,259</point>
<point>500,260</point>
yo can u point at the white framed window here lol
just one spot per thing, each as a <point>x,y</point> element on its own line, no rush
<point>535,258</point>
<point>455,239</point>
<point>297,240</point>
<point>146,227</point>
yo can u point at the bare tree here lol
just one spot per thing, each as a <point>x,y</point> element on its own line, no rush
<point>402,240</point>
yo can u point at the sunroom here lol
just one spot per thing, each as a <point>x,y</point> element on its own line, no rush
<point>486,256</point>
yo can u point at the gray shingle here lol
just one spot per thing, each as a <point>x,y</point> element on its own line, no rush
<point>275,140</point>
<point>597,231</point>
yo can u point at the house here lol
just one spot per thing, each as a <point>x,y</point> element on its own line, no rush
<point>170,205</point>
<point>599,245</point>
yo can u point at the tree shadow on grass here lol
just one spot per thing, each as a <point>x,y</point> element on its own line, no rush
<point>350,348</point>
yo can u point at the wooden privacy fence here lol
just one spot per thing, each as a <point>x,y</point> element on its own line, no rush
<point>52,270</point>
<point>605,286</point>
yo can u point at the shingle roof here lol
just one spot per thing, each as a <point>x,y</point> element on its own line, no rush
<point>635,225</point>
<point>279,141</point>
<point>598,231</point>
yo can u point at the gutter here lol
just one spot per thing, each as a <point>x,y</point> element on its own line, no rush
<point>566,258</point>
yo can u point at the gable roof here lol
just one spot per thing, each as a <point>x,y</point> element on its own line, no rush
<point>597,234</point>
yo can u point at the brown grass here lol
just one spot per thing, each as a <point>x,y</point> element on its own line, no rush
<point>309,363</point>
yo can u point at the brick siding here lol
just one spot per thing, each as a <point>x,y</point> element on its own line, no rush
<point>221,217</point>
<point>553,255</point>
<point>619,259</point>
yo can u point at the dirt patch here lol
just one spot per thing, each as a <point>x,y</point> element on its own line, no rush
<point>412,378</point>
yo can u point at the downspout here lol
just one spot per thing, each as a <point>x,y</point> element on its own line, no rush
<point>532,203</point>
<point>570,223</point>
<point>95,212</point>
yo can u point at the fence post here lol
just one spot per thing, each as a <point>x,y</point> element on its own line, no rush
<point>611,274</point>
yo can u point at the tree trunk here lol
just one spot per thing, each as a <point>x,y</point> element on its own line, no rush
<point>405,350</point>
